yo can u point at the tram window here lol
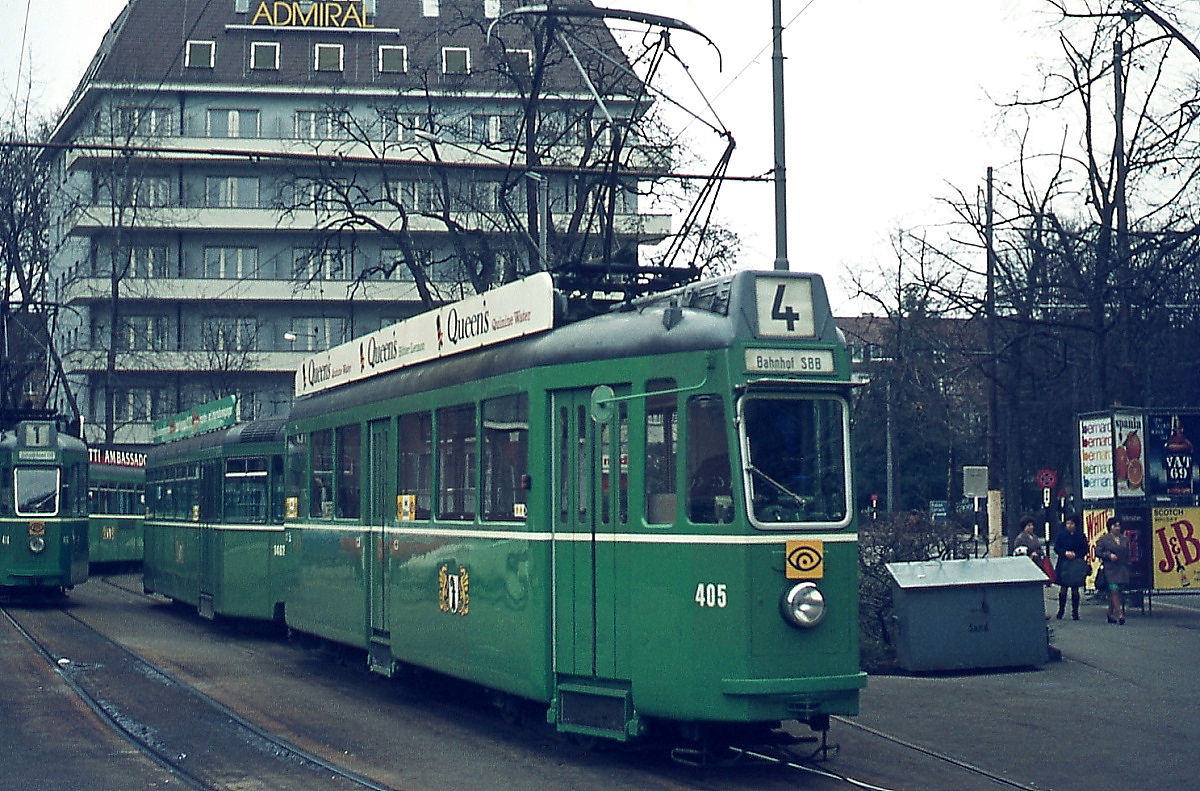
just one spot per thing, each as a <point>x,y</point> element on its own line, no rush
<point>416,466</point>
<point>505,458</point>
<point>564,465</point>
<point>623,455</point>
<point>6,492</point>
<point>320,483</point>
<point>710,491</point>
<point>796,459</point>
<point>662,443</point>
<point>246,490</point>
<point>37,490</point>
<point>456,462</point>
<point>349,471</point>
<point>297,474</point>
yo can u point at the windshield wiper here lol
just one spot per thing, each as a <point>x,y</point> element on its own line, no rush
<point>800,500</point>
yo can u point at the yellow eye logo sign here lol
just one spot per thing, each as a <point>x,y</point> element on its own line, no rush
<point>805,560</point>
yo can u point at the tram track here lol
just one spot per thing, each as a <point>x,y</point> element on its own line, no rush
<point>221,750</point>
<point>811,767</point>
<point>197,739</point>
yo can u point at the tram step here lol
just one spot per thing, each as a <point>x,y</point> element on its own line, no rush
<point>592,709</point>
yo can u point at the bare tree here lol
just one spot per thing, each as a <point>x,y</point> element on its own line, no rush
<point>530,178</point>
<point>1095,241</point>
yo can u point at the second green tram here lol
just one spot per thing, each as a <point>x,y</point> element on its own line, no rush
<point>214,523</point>
<point>116,507</point>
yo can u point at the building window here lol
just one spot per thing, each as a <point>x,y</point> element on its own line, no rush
<point>145,333</point>
<point>317,264</point>
<point>133,193</point>
<point>229,334</point>
<point>135,403</point>
<point>233,123</point>
<point>315,333</point>
<point>148,261</point>
<point>322,124</point>
<point>144,121</point>
<point>519,61</point>
<point>201,54</point>
<point>403,128</point>
<point>230,263</point>
<point>456,60</point>
<point>328,57</point>
<point>393,59</point>
<point>264,55</point>
<point>231,192</point>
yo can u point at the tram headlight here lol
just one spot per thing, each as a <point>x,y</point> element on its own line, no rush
<point>37,544</point>
<point>803,605</point>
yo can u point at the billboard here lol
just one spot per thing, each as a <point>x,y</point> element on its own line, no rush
<point>1096,457</point>
<point>1128,455</point>
<point>1170,460</point>
<point>1176,549</point>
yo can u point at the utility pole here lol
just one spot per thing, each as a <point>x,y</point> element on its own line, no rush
<point>781,254</point>
<point>995,501</point>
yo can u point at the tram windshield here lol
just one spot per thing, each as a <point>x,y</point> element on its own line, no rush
<point>37,490</point>
<point>795,452</point>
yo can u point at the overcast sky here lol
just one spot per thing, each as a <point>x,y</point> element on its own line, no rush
<point>887,103</point>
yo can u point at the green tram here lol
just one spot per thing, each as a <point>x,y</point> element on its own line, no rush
<point>640,521</point>
<point>43,505</point>
<point>116,507</point>
<point>214,521</point>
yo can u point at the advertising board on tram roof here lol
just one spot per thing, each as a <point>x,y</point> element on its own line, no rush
<point>512,311</point>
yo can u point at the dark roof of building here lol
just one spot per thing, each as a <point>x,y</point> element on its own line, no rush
<point>147,45</point>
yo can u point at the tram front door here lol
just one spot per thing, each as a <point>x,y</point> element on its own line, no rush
<point>591,507</point>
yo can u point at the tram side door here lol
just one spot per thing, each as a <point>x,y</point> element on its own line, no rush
<point>381,500</point>
<point>590,508</point>
<point>210,536</point>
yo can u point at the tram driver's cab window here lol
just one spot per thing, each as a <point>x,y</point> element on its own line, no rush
<point>796,465</point>
<point>710,482</point>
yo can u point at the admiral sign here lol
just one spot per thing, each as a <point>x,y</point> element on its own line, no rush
<point>312,13</point>
<point>512,311</point>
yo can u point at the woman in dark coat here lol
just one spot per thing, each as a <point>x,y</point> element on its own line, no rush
<point>1071,572</point>
<point>1112,549</point>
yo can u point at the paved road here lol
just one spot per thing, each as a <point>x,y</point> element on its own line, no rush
<point>1121,711</point>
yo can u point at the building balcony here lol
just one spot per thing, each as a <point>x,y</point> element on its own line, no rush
<point>82,361</point>
<point>259,291</point>
<point>99,219</point>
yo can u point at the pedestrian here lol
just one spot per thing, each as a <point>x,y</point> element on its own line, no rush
<point>1071,546</point>
<point>1113,550</point>
<point>1027,543</point>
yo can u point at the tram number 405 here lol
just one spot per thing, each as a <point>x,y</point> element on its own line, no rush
<point>711,594</point>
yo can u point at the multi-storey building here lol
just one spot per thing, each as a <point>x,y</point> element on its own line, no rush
<point>241,182</point>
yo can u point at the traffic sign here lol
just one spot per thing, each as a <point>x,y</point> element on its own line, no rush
<point>1047,479</point>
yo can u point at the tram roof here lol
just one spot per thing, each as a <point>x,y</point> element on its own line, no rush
<point>708,315</point>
